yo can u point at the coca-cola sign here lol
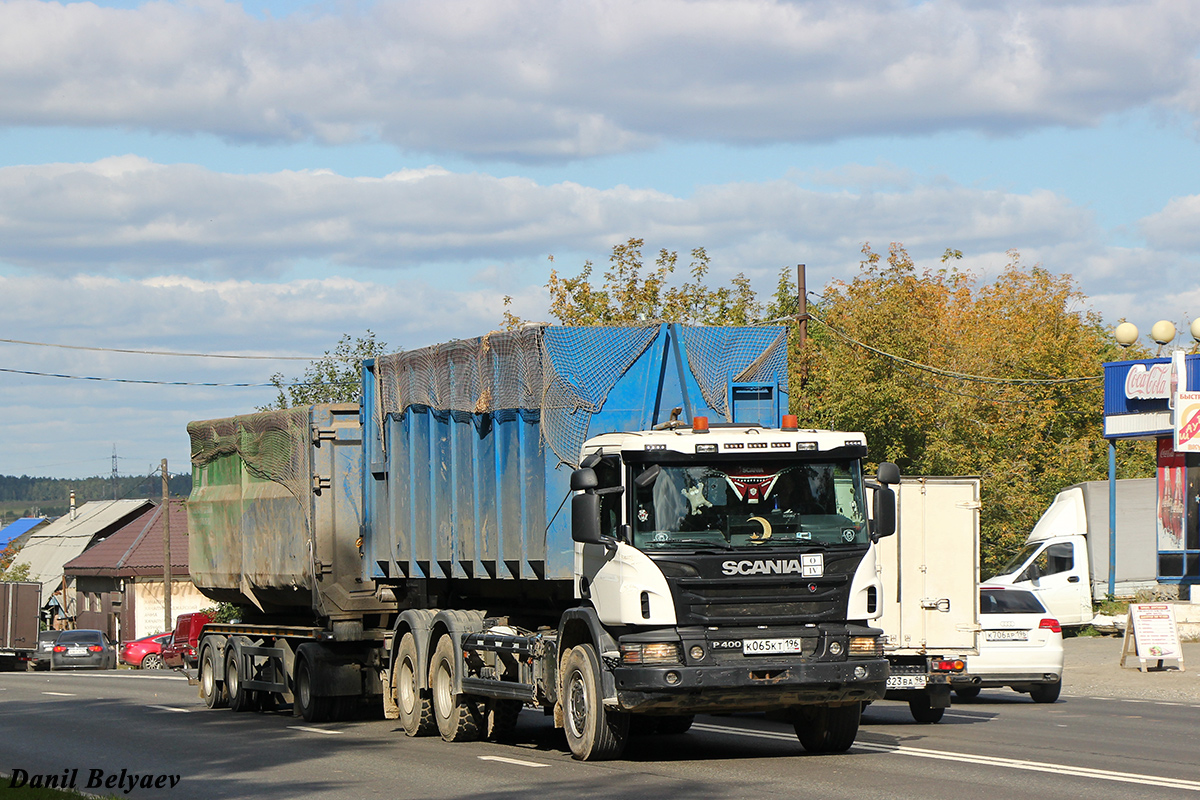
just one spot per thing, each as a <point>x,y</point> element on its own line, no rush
<point>1148,384</point>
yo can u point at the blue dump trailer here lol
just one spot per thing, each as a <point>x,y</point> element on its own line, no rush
<point>610,524</point>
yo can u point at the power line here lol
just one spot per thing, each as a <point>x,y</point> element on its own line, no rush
<point>952,374</point>
<point>157,352</point>
<point>130,380</point>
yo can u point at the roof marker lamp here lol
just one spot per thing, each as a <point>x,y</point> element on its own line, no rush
<point>790,423</point>
<point>699,424</point>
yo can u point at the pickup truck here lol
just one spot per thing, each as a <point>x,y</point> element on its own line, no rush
<point>180,651</point>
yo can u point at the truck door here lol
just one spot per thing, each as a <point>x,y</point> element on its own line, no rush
<point>1058,573</point>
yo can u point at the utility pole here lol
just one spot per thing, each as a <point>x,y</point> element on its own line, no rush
<point>802,317</point>
<point>166,528</point>
<point>114,472</point>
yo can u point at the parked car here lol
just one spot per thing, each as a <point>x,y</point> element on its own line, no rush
<point>83,649</point>
<point>45,645</point>
<point>1020,646</point>
<point>180,650</point>
<point>145,652</point>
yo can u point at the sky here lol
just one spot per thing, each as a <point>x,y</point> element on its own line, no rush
<point>260,178</point>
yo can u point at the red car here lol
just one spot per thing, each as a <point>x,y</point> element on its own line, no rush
<point>180,650</point>
<point>145,652</point>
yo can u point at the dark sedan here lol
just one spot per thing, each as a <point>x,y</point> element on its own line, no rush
<point>83,649</point>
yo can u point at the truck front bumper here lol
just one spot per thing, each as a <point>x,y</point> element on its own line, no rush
<point>759,687</point>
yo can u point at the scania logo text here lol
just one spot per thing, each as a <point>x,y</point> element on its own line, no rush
<point>810,566</point>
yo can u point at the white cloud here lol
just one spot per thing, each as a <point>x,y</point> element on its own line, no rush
<point>541,79</point>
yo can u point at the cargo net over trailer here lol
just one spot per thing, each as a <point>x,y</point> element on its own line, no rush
<point>274,446</point>
<point>566,373</point>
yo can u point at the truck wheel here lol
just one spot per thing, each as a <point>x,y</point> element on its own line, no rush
<point>416,709</point>
<point>676,724</point>
<point>594,733</point>
<point>966,692</point>
<point>922,710</point>
<point>211,692</point>
<point>240,698</point>
<point>1046,692</point>
<point>501,718</point>
<point>458,719</point>
<point>310,706</point>
<point>828,729</point>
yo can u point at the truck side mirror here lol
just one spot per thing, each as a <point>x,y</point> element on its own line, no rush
<point>889,473</point>
<point>647,476</point>
<point>883,515</point>
<point>585,521</point>
<point>584,479</point>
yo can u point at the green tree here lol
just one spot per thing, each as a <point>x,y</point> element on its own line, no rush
<point>8,570</point>
<point>336,377</point>
<point>633,292</point>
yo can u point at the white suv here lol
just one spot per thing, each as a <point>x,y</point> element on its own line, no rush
<point>1020,646</point>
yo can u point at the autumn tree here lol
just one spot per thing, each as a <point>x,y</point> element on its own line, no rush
<point>948,376</point>
<point>634,292</point>
<point>336,377</point>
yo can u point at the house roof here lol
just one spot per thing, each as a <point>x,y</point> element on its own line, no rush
<point>23,525</point>
<point>137,548</point>
<point>51,546</point>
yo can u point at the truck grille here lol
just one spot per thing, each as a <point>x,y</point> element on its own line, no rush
<point>759,602</point>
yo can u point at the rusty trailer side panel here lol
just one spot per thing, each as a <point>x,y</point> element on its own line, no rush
<point>285,544</point>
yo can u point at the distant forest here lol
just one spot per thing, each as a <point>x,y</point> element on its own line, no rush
<point>51,497</point>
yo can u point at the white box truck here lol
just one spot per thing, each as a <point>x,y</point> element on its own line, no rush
<point>1065,560</point>
<point>930,598</point>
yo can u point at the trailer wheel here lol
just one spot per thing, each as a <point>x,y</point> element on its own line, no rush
<point>240,698</point>
<point>594,733</point>
<point>458,720</point>
<point>414,705</point>
<point>211,692</point>
<point>922,710</point>
<point>312,707</point>
<point>501,718</point>
<point>828,729</point>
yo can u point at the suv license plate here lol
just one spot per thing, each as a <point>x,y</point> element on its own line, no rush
<point>1006,636</point>
<point>758,647</point>
<point>906,682</point>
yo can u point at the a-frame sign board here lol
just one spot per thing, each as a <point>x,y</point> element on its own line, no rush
<point>1151,636</point>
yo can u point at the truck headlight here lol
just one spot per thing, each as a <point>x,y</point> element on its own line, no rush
<point>866,647</point>
<point>650,653</point>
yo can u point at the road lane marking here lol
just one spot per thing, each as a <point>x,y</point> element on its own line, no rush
<point>516,761</point>
<point>993,761</point>
<point>172,708</point>
<point>315,730</point>
<point>60,694</point>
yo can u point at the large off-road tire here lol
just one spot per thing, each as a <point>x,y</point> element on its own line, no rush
<point>966,692</point>
<point>827,729</point>
<point>240,698</point>
<point>922,709</point>
<point>458,718</point>
<point>212,691</point>
<point>594,732</point>
<point>414,704</point>
<point>312,707</point>
<point>1046,692</point>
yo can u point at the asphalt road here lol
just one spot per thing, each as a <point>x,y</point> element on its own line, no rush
<point>1000,745</point>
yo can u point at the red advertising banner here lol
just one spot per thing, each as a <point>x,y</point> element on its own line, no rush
<point>1172,495</point>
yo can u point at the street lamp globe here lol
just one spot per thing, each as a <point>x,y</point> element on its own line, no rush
<point>1196,329</point>
<point>1126,334</point>
<point>1163,331</point>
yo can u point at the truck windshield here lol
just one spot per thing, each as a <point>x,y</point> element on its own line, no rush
<point>1020,558</point>
<point>751,504</point>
